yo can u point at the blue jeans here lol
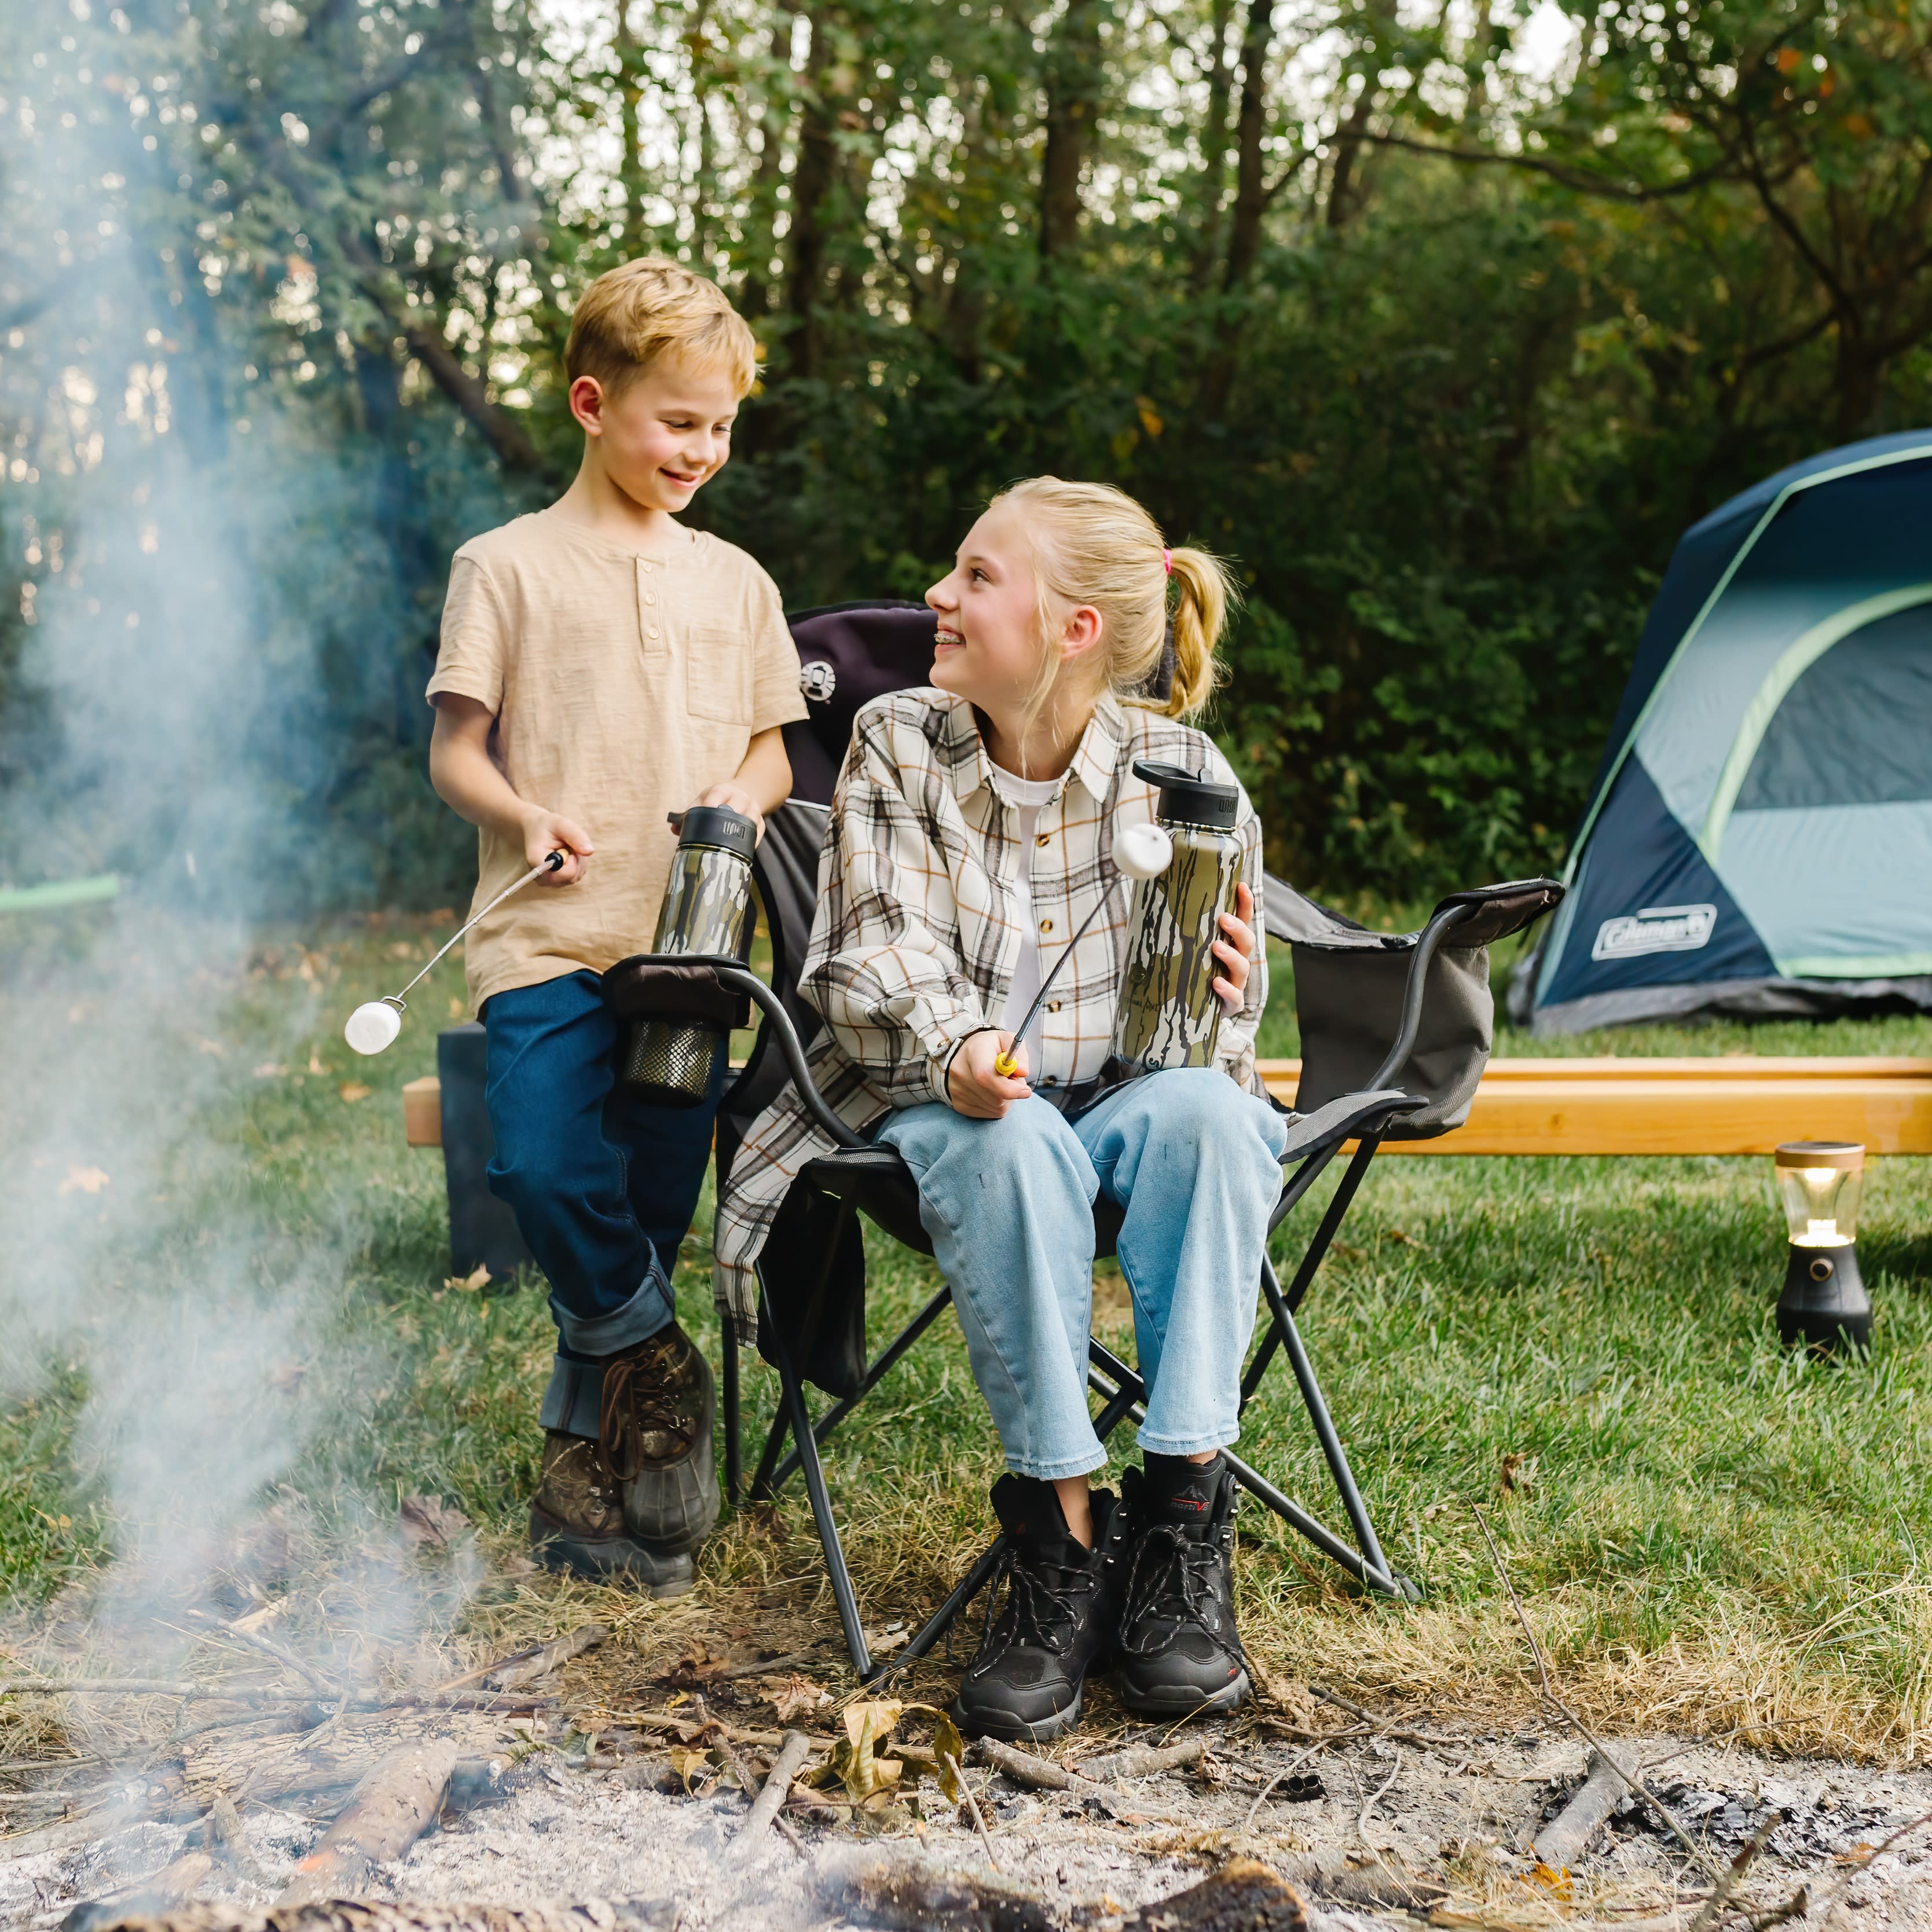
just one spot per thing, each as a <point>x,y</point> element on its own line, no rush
<point>1194,1161</point>
<point>603,1186</point>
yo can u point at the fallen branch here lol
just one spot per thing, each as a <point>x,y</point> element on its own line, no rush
<point>951,1764</point>
<point>764,1812</point>
<point>1038,1773</point>
<point>1707,1914</point>
<point>687,1728</point>
<point>141,1686</point>
<point>1381,1727</point>
<point>526,1665</point>
<point>386,1814</point>
<point>1143,1760</point>
<point>267,1647</point>
<point>1565,1839</point>
<point>377,1914</point>
<point>790,1661</point>
<point>1375,1797</point>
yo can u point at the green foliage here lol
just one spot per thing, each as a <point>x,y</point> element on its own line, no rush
<point>1443,346</point>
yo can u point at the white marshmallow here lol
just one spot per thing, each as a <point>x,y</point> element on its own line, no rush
<point>373,1027</point>
<point>1143,851</point>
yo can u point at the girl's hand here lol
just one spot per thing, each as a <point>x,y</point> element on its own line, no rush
<point>972,1086</point>
<point>547,832</point>
<point>1236,951</point>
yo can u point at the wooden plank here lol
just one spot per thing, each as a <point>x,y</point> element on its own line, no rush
<point>1678,1116</point>
<point>422,1111</point>
<point>1282,1074</point>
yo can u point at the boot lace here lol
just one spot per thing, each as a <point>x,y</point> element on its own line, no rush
<point>638,1400</point>
<point>1039,1614</point>
<point>1170,1580</point>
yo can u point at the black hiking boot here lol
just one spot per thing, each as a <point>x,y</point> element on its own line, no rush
<point>1026,1683</point>
<point>577,1523</point>
<point>656,1427</point>
<point>1180,1655</point>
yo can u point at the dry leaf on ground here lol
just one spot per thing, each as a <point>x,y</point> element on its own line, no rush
<point>429,1524</point>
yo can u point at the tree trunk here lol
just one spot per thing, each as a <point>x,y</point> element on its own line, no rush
<point>1073,82</point>
<point>630,102</point>
<point>1214,150</point>
<point>1244,237</point>
<point>811,186</point>
<point>775,123</point>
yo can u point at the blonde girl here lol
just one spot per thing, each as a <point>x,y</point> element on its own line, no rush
<point>971,835</point>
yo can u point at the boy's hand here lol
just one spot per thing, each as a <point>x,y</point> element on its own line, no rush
<point>1236,950</point>
<point>972,1086</point>
<point>547,832</point>
<point>733,797</point>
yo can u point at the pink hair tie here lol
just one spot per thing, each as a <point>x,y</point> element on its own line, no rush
<point>1167,562</point>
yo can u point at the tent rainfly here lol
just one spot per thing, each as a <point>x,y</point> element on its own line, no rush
<point>1758,838</point>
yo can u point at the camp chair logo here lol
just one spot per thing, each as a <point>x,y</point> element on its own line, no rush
<point>1655,929</point>
<point>818,680</point>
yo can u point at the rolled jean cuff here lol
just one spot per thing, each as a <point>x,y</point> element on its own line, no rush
<point>1190,1445</point>
<point>574,1402</point>
<point>1054,1472</point>
<point>647,1311</point>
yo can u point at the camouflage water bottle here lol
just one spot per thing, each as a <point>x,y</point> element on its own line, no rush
<point>706,906</point>
<point>1168,1015</point>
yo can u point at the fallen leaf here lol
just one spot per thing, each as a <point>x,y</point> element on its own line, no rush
<point>429,1524</point>
<point>478,1277</point>
<point>353,1090</point>
<point>1519,1472</point>
<point>796,1697</point>
<point>83,1180</point>
<point>864,1775</point>
<point>687,1763</point>
<point>890,1638</point>
<point>1408,1241</point>
<point>1556,1883</point>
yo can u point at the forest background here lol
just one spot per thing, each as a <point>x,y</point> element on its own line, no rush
<point>1441,318</point>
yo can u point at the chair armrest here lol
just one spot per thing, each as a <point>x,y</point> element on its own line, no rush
<point>731,974</point>
<point>1341,1120</point>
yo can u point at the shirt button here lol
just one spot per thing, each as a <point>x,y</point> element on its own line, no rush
<point>649,568</point>
<point>650,597</point>
<point>1044,839</point>
<point>1052,1080</point>
<point>1053,1005</point>
<point>1046,925</point>
<point>653,631</point>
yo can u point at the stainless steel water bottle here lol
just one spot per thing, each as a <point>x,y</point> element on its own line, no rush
<point>1168,1015</point>
<point>706,905</point>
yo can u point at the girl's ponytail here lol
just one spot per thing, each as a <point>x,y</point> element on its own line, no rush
<point>1202,592</point>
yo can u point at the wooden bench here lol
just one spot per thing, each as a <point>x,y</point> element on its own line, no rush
<point>1736,1104</point>
<point>1732,1104</point>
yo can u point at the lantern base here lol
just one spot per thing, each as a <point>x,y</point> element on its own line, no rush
<point>1824,1305</point>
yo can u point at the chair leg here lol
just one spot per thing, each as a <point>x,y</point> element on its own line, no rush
<point>763,1486</point>
<point>1332,1453</point>
<point>728,1364</point>
<point>1318,1249</point>
<point>888,1359</point>
<point>842,1594</point>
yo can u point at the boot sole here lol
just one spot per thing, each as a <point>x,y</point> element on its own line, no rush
<point>1013,1731</point>
<point>619,1562</point>
<point>1176,1703</point>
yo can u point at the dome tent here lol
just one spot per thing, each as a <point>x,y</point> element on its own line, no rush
<point>1759,837</point>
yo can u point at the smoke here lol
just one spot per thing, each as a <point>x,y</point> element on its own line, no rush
<point>173,526</point>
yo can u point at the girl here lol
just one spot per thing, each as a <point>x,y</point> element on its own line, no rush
<point>971,834</point>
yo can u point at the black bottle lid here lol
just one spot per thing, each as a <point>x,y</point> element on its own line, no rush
<point>718,826</point>
<point>1191,798</point>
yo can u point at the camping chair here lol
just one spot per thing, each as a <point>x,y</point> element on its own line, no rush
<point>1396,1031</point>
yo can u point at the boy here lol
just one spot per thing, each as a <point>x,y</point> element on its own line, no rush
<point>600,666</point>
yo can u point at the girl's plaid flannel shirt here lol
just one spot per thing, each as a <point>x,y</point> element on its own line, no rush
<point>915,940</point>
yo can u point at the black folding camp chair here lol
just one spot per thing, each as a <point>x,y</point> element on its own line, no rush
<point>1396,1029</point>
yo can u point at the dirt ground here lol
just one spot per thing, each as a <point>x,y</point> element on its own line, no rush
<point>1399,1832</point>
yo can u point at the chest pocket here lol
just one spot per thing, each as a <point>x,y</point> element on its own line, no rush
<point>718,675</point>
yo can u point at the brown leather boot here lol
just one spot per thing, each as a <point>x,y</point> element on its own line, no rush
<point>577,1523</point>
<point>658,1408</point>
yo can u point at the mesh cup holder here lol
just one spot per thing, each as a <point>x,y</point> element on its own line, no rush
<point>669,1063</point>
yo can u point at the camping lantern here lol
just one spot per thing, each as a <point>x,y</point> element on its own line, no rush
<point>1824,1300</point>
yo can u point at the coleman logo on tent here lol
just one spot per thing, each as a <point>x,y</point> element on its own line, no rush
<point>1655,929</point>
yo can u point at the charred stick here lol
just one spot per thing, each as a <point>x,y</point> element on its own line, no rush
<point>1563,1840</point>
<point>765,1806</point>
<point>1708,1913</point>
<point>526,1665</point>
<point>168,1887</point>
<point>386,1813</point>
<point>1143,1760</point>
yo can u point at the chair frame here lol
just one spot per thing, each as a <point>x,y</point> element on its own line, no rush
<point>1364,1118</point>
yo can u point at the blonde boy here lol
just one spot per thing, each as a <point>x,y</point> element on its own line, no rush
<point>602,666</point>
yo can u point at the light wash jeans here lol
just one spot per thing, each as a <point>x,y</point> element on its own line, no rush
<point>1194,1161</point>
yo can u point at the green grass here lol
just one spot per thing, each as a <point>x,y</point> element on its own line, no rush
<point>1706,1530</point>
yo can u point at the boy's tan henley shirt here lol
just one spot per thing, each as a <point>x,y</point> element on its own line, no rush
<point>625,683</point>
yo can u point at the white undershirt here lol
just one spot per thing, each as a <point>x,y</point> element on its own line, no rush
<point>1027,796</point>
